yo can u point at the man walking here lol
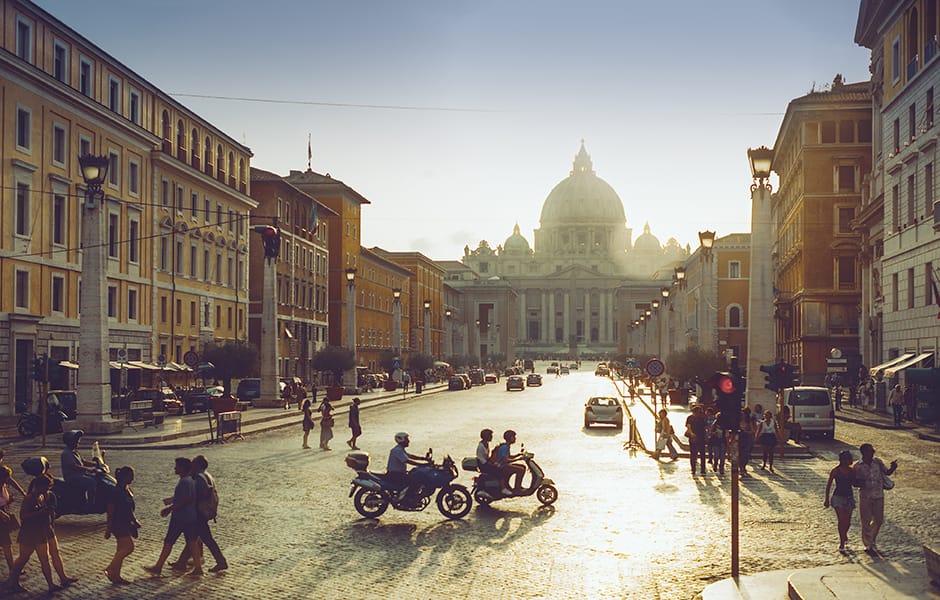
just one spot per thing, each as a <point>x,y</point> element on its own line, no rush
<point>182,511</point>
<point>207,506</point>
<point>354,426</point>
<point>870,473</point>
<point>696,431</point>
<point>896,400</point>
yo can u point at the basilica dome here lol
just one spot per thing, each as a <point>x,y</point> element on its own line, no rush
<point>516,244</point>
<point>582,197</point>
<point>647,242</point>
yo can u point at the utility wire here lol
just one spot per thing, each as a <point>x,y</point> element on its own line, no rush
<point>338,104</point>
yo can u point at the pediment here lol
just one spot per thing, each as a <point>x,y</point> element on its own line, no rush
<point>578,272</point>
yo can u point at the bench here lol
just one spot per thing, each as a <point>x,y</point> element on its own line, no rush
<point>140,414</point>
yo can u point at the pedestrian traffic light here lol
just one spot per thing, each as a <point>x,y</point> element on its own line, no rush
<point>772,376</point>
<point>39,368</point>
<point>729,395</point>
<point>271,238</point>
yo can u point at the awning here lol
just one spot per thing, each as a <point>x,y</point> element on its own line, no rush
<point>143,365</point>
<point>67,364</point>
<point>172,366</point>
<point>116,365</point>
<point>440,363</point>
<point>891,371</point>
<point>874,370</point>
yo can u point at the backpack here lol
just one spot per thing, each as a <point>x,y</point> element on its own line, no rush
<point>208,506</point>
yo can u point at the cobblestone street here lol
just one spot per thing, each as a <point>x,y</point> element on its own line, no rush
<point>624,526</point>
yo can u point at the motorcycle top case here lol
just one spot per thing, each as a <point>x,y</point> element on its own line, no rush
<point>470,463</point>
<point>358,461</point>
<point>35,465</point>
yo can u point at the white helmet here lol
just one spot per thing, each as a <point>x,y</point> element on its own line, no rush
<point>400,437</point>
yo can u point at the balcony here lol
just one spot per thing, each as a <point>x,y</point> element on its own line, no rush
<point>912,68</point>
<point>930,50</point>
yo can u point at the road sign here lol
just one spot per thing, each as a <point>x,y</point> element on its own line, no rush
<point>191,358</point>
<point>161,360</point>
<point>655,367</point>
<point>122,355</point>
<point>396,364</point>
<point>631,364</point>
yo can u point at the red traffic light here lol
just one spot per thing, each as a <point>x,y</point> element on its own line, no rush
<point>726,384</point>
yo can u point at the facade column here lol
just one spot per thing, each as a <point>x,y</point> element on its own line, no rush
<point>602,317</point>
<point>268,350</point>
<point>522,334</point>
<point>551,316</point>
<point>543,330</point>
<point>586,327</point>
<point>566,319</point>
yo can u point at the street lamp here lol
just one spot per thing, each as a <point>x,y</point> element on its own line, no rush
<point>760,160</point>
<point>427,326</point>
<point>351,310</point>
<point>448,333</point>
<point>479,343</point>
<point>396,317</point>
<point>655,304</point>
<point>680,276</point>
<point>707,240</point>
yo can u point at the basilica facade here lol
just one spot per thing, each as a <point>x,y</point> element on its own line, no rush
<point>584,276</point>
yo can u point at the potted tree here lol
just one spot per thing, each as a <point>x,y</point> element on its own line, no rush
<point>335,360</point>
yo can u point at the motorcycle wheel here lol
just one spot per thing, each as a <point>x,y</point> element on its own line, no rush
<point>26,429</point>
<point>454,501</point>
<point>370,503</point>
<point>547,494</point>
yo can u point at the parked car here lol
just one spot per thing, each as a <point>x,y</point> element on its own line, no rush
<point>602,371</point>
<point>198,399</point>
<point>490,378</point>
<point>564,370</point>
<point>63,400</point>
<point>600,409</point>
<point>811,407</point>
<point>467,383</point>
<point>477,376</point>
<point>573,366</point>
<point>533,379</point>
<point>515,382</point>
<point>456,382</point>
<point>551,370</point>
<point>248,389</point>
<point>161,399</point>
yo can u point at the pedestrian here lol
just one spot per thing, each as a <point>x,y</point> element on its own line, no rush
<point>36,515</point>
<point>843,498</point>
<point>709,442</point>
<point>122,523</point>
<point>767,438</point>
<point>307,422</point>
<point>664,433</point>
<point>909,402</point>
<point>326,424</point>
<point>719,445</point>
<point>8,521</point>
<point>696,431</point>
<point>745,441</point>
<point>354,426</point>
<point>181,508</point>
<point>853,396</point>
<point>896,400</point>
<point>207,508</point>
<point>871,479</point>
<point>838,394</point>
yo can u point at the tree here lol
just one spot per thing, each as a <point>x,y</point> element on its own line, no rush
<point>694,363</point>
<point>387,360</point>
<point>231,360</point>
<point>420,362</point>
<point>335,360</point>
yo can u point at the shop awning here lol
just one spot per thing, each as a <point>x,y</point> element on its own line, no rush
<point>172,366</point>
<point>67,364</point>
<point>892,370</point>
<point>143,365</point>
<point>898,359</point>
<point>116,365</point>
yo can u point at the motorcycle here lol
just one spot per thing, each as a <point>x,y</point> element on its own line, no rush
<point>372,494</point>
<point>69,499</point>
<point>30,424</point>
<point>488,488</point>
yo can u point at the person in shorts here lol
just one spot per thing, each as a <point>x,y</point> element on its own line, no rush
<point>181,509</point>
<point>843,497</point>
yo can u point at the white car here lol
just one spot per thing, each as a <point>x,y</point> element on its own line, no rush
<point>603,409</point>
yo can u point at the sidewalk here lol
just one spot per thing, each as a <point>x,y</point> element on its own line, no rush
<point>883,420</point>
<point>192,430</point>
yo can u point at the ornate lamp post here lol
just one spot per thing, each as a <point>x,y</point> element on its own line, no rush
<point>479,337</point>
<point>706,337</point>
<point>396,323</point>
<point>448,334</point>
<point>94,381</point>
<point>351,319</point>
<point>761,342</point>
<point>427,327</point>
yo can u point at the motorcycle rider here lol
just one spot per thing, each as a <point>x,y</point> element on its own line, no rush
<point>398,461</point>
<point>76,471</point>
<point>504,460</point>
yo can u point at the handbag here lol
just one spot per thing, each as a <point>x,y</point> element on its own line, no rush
<point>327,421</point>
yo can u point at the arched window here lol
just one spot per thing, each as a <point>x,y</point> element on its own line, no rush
<point>231,169</point>
<point>180,141</point>
<point>734,316</point>
<point>912,43</point>
<point>207,155</point>
<point>165,125</point>
<point>194,149</point>
<point>219,163</point>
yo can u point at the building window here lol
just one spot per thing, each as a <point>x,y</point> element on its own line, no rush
<point>864,131</point>
<point>896,60</point>
<point>205,315</point>
<point>193,258</point>
<point>218,215</point>
<point>60,62</point>
<point>164,193</point>
<point>845,216</point>
<point>896,135</point>
<point>58,293</point>
<point>734,316</point>
<point>911,123</point>
<point>23,128</point>
<point>218,268</point>
<point>207,209</point>
<point>179,316</point>
<point>929,284</point>
<point>85,73</point>
<point>178,263</point>
<point>114,169</point>
<point>21,218</point>
<point>112,235</point>
<point>846,178</point>
<point>910,288</point>
<point>734,269</point>
<point>894,292</point>
<point>193,204</point>
<point>163,309</point>
<point>895,207</point>
<point>164,258</point>
<point>59,139</point>
<point>84,146</point>
<point>230,272</point>
<point>133,178</point>
<point>114,95</point>
<point>205,266</point>
<point>829,132</point>
<point>22,289</point>
<point>231,221</point>
<point>179,199</point>
<point>59,219</point>
<point>846,132</point>
<point>24,39</point>
<point>112,301</point>
<point>131,305</point>
<point>193,314</point>
<point>911,200</point>
<point>928,109</point>
<point>846,265</point>
<point>134,114</point>
<point>133,241</point>
<point>194,149</point>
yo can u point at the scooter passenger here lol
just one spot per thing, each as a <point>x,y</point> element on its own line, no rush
<point>485,463</point>
<point>398,461</point>
<point>504,460</point>
<point>76,471</point>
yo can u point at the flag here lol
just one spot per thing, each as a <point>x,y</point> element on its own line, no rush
<point>309,152</point>
<point>314,222</point>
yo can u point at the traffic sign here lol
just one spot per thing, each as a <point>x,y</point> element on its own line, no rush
<point>396,364</point>
<point>122,355</point>
<point>191,358</point>
<point>655,367</point>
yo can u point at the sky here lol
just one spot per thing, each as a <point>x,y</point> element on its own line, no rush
<point>456,119</point>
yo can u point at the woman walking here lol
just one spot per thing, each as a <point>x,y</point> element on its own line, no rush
<point>8,521</point>
<point>307,422</point>
<point>843,498</point>
<point>36,515</point>
<point>326,424</point>
<point>767,437</point>
<point>121,523</point>
<point>745,441</point>
<point>664,433</point>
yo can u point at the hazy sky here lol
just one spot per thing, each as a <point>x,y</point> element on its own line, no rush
<point>494,97</point>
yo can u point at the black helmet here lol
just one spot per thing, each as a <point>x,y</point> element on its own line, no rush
<point>72,437</point>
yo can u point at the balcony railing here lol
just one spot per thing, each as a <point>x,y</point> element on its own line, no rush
<point>930,50</point>
<point>912,68</point>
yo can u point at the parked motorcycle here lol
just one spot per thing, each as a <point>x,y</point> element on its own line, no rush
<point>488,488</point>
<point>70,500</point>
<point>372,494</point>
<point>30,424</point>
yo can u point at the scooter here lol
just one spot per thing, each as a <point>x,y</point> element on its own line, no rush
<point>30,424</point>
<point>372,494</point>
<point>488,488</point>
<point>70,500</point>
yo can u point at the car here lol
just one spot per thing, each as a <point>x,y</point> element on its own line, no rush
<point>467,382</point>
<point>564,370</point>
<point>199,399</point>
<point>65,400</point>
<point>551,370</point>
<point>603,409</point>
<point>248,389</point>
<point>811,407</point>
<point>515,382</point>
<point>490,378</point>
<point>573,366</point>
<point>477,376</point>
<point>602,371</point>
<point>161,399</point>
<point>456,382</point>
<point>533,379</point>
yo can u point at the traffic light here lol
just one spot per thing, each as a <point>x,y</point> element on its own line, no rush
<point>39,368</point>
<point>271,238</point>
<point>730,393</point>
<point>790,375</point>
<point>772,376</point>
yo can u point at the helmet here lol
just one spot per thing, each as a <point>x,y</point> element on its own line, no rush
<point>508,434</point>
<point>72,437</point>
<point>400,437</point>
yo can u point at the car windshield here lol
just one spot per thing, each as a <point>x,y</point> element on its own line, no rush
<point>603,402</point>
<point>810,398</point>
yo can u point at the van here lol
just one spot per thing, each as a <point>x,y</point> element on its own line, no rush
<point>811,407</point>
